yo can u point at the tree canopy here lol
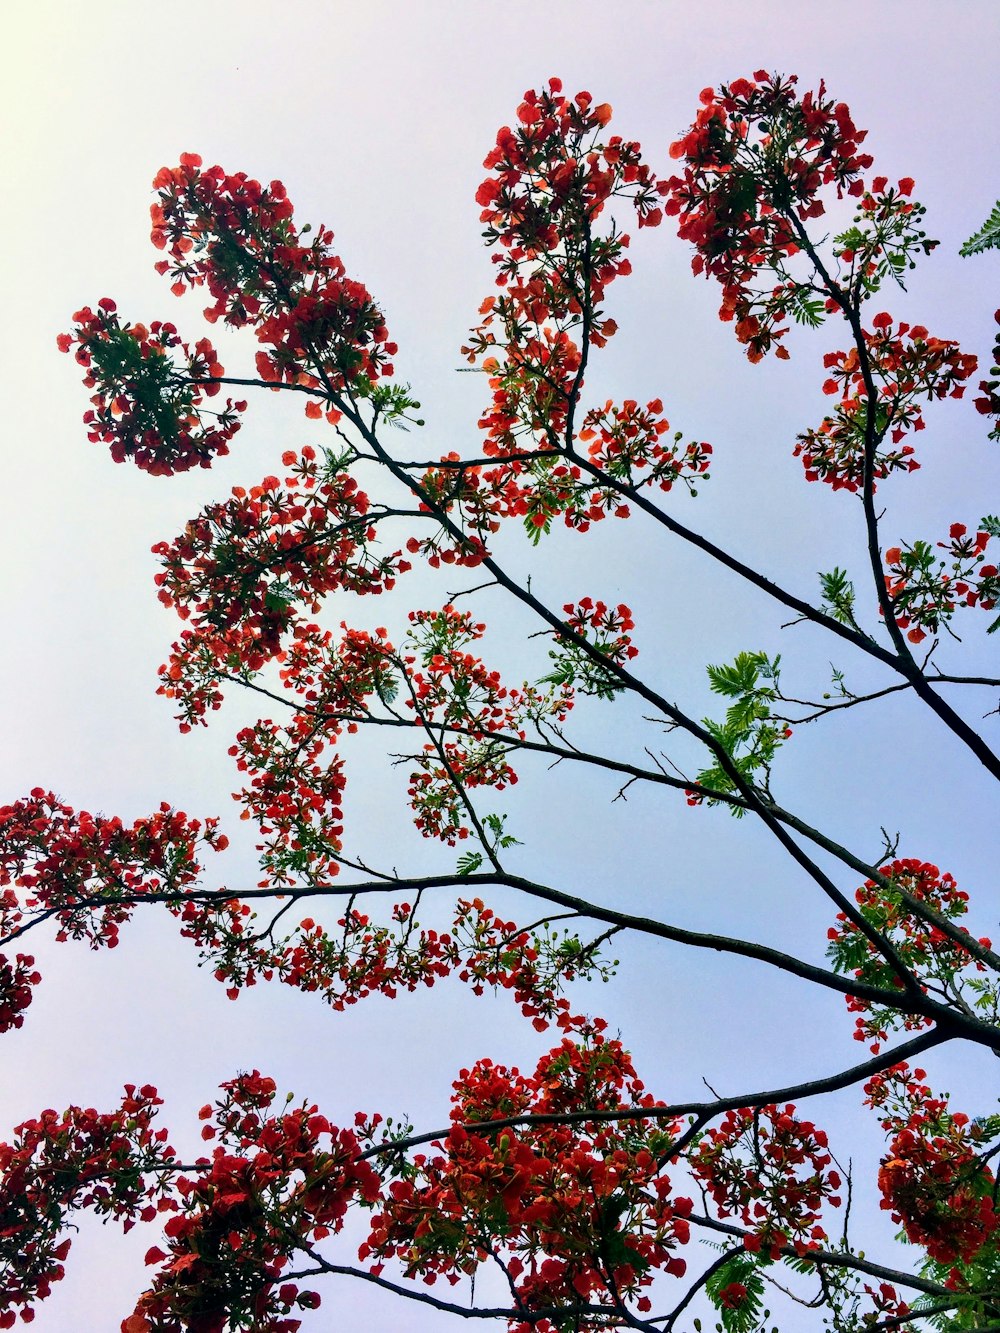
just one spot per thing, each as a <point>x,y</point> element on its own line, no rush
<point>585,1194</point>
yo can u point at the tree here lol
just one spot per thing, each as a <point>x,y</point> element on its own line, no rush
<point>573,1191</point>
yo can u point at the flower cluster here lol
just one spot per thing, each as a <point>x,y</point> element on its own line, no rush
<point>273,544</point>
<point>237,238</point>
<point>879,400</point>
<point>932,1179</point>
<point>295,796</point>
<point>148,405</point>
<point>551,177</point>
<point>452,691</point>
<point>85,871</point>
<point>774,1171</point>
<point>906,911</point>
<point>606,630</point>
<point>275,1184</point>
<point>18,979</point>
<point>626,439</point>
<point>925,591</point>
<point>580,1213</point>
<point>239,570</point>
<point>361,957</point>
<point>885,235</point>
<point>754,164</point>
<point>113,1162</point>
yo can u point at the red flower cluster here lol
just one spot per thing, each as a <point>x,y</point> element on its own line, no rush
<point>553,173</point>
<point>551,177</point>
<point>897,913</point>
<point>623,440</point>
<point>17,979</point>
<point>294,797</point>
<point>274,1184</point>
<point>83,870</point>
<point>754,163</point>
<point>113,1162</point>
<point>239,569</point>
<point>773,1170</point>
<point>905,364</point>
<point>148,407</point>
<point>300,542</point>
<point>452,689</point>
<point>932,1179</point>
<point>886,235</point>
<point>606,629</point>
<point>237,238</point>
<point>362,958</point>
<point>925,594</point>
<point>578,1213</point>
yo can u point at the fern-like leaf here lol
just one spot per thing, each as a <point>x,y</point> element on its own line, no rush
<point>986,238</point>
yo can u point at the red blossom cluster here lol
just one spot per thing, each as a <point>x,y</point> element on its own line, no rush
<point>883,242</point>
<point>627,439</point>
<point>451,689</point>
<point>580,1214</point>
<point>551,177</point>
<point>606,630</point>
<point>606,627</point>
<point>236,237</point>
<point>361,957</point>
<point>113,1162</point>
<point>85,871</point>
<point>932,1179</point>
<point>240,568</point>
<point>902,911</point>
<point>925,593</point>
<point>17,978</point>
<point>274,1185</point>
<point>309,537</point>
<point>754,163</point>
<point>148,405</point>
<point>295,795</point>
<point>903,365</point>
<point>774,1171</point>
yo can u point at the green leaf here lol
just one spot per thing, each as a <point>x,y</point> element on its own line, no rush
<point>838,595</point>
<point>469,863</point>
<point>807,310</point>
<point>986,238</point>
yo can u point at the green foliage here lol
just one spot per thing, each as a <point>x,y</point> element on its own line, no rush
<point>615,1250</point>
<point>576,670</point>
<point>393,402</point>
<point>838,596</point>
<point>806,309</point>
<point>336,462</point>
<point>986,238</point>
<point>747,735</point>
<point>885,242</point>
<point>469,862</point>
<point>979,1282</point>
<point>496,841</point>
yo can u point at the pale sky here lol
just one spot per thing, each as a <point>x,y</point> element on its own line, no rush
<point>377,117</point>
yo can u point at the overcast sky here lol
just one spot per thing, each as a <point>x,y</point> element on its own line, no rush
<point>377,117</point>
